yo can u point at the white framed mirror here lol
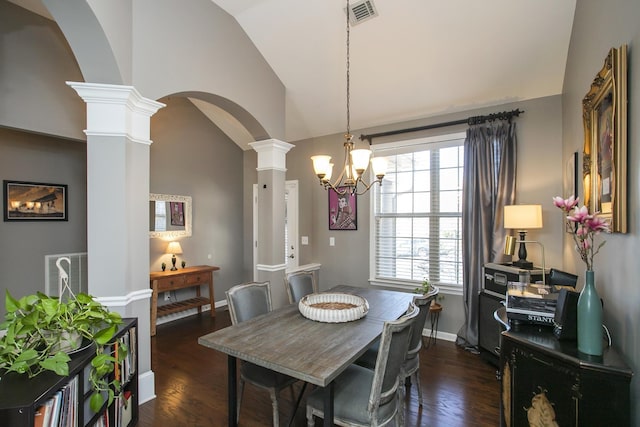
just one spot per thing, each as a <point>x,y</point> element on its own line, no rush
<point>169,216</point>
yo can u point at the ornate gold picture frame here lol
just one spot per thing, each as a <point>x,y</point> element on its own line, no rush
<point>604,111</point>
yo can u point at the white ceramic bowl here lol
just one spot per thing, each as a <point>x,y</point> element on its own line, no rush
<point>329,315</point>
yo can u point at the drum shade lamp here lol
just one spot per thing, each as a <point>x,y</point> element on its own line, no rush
<point>521,218</point>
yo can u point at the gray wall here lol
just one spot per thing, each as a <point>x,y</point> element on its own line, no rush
<point>540,172</point>
<point>192,157</point>
<point>189,156</point>
<point>35,63</point>
<point>23,245</point>
<point>599,26</point>
<point>31,46</point>
<point>181,46</point>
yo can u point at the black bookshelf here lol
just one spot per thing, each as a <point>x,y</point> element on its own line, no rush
<point>21,396</point>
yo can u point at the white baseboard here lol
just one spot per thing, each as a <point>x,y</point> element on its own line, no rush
<point>146,387</point>
<point>446,336</point>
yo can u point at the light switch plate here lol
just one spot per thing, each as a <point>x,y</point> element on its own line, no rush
<point>332,241</point>
<point>304,240</point>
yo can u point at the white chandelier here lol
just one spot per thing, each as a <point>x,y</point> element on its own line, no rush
<point>356,162</point>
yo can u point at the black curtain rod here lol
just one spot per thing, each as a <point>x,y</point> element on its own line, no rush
<point>475,120</point>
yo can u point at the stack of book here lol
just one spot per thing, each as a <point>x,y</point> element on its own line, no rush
<point>60,410</point>
<point>531,303</point>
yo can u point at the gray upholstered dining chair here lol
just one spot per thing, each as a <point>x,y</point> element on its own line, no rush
<point>365,397</point>
<point>245,302</point>
<point>299,284</point>
<point>411,366</point>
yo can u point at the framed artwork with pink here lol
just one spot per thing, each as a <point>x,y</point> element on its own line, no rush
<point>342,210</point>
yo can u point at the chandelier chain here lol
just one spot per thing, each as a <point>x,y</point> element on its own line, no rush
<point>348,74</point>
<point>350,179</point>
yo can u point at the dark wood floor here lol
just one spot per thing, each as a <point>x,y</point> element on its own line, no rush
<point>459,389</point>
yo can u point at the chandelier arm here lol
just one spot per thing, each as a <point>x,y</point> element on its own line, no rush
<point>366,186</point>
<point>342,192</point>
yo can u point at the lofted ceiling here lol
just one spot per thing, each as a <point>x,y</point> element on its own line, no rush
<point>416,59</point>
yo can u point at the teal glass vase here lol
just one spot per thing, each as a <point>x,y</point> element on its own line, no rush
<point>589,318</point>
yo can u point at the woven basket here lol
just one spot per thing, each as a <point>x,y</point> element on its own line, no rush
<point>332,315</point>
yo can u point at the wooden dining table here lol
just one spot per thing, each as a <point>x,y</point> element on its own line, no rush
<point>315,352</point>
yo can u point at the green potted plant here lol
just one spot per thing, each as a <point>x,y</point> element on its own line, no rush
<point>424,287</point>
<point>41,331</point>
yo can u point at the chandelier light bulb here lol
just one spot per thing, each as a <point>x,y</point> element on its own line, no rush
<point>360,160</point>
<point>379,166</point>
<point>321,165</point>
<point>327,176</point>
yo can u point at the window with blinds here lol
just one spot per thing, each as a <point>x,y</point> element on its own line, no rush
<point>417,212</point>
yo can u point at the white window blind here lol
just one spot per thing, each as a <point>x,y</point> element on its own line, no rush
<point>417,212</point>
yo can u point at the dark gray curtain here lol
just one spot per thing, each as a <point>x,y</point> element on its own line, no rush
<point>489,183</point>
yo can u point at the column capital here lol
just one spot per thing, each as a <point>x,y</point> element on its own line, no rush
<point>116,110</point>
<point>271,154</point>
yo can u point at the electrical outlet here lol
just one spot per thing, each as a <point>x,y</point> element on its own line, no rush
<point>167,296</point>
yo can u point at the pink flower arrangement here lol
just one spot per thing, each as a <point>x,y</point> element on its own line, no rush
<point>583,226</point>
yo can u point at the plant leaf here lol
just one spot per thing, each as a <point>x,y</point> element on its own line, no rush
<point>27,355</point>
<point>10,302</point>
<point>84,298</point>
<point>50,306</point>
<point>104,336</point>
<point>19,367</point>
<point>99,360</point>
<point>96,402</point>
<point>57,363</point>
<point>31,319</point>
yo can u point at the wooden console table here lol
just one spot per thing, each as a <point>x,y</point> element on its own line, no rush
<point>163,281</point>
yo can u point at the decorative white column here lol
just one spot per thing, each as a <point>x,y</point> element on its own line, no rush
<point>118,140</point>
<point>271,207</point>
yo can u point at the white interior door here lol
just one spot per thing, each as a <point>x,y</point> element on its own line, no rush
<point>290,226</point>
<point>255,232</point>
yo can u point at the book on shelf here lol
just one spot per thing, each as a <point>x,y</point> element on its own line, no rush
<point>116,369</point>
<point>55,414</point>
<point>102,421</point>
<point>126,368</point>
<point>60,409</point>
<point>42,415</point>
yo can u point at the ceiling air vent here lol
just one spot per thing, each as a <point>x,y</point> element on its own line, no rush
<point>361,11</point>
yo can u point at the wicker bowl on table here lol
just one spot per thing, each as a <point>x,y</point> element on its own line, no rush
<point>333,307</point>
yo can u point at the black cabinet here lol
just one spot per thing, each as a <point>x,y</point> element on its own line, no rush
<point>21,396</point>
<point>548,380</point>
<point>494,290</point>
<point>488,328</point>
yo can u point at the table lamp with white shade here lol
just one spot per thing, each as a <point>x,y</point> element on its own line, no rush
<point>522,218</point>
<point>174,248</point>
